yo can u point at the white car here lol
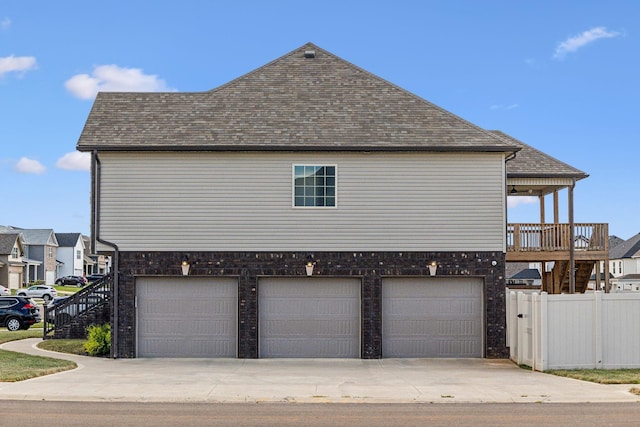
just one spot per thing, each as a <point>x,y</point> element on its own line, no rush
<point>45,292</point>
<point>4,291</point>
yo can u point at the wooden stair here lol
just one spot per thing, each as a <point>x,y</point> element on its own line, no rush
<point>557,280</point>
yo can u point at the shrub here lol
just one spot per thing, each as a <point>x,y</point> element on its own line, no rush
<point>98,340</point>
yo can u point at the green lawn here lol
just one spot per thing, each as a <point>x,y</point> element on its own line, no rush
<point>64,290</point>
<point>19,366</point>
<point>75,346</point>
<point>601,376</point>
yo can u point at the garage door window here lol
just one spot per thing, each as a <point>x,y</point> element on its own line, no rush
<point>314,186</point>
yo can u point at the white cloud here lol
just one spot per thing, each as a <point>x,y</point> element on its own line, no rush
<point>5,23</point>
<point>574,43</point>
<point>26,165</point>
<point>16,64</point>
<point>514,201</point>
<point>111,78</point>
<point>75,161</point>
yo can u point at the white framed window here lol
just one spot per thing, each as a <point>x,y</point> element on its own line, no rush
<point>78,254</point>
<point>14,253</point>
<point>315,186</point>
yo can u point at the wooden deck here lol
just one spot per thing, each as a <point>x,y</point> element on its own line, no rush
<point>552,242</point>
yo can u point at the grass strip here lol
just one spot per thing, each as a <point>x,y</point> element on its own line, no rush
<point>19,366</point>
<point>600,376</point>
<point>69,346</point>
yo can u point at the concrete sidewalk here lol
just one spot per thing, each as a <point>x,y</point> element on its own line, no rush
<point>302,380</point>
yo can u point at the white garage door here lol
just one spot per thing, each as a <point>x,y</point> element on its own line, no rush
<point>187,317</point>
<point>432,317</point>
<point>14,281</point>
<point>309,317</point>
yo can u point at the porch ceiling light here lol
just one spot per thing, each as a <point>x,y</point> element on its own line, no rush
<point>513,189</point>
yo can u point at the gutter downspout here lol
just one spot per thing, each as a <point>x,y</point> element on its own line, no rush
<point>95,231</point>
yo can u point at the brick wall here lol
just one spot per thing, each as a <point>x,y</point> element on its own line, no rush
<point>371,267</point>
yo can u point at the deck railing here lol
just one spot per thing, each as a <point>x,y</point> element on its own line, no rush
<point>556,237</point>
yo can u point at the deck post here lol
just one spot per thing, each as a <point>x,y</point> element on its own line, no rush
<point>572,244</point>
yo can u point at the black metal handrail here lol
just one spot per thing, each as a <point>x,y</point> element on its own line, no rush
<point>91,297</point>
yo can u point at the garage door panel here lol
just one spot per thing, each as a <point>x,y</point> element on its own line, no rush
<point>321,328</point>
<point>311,306</point>
<point>287,347</point>
<point>187,317</point>
<point>427,317</point>
<point>309,317</point>
<point>197,348</point>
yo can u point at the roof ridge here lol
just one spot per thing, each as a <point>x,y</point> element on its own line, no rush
<point>364,71</point>
<point>256,70</point>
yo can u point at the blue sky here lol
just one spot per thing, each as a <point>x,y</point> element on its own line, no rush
<point>561,76</point>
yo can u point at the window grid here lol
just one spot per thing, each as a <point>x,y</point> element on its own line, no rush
<point>314,186</point>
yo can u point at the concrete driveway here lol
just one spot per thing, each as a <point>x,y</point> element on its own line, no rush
<point>302,380</point>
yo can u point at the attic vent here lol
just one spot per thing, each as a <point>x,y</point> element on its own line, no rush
<point>309,54</point>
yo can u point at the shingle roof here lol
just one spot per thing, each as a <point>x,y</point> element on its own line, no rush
<point>528,273</point>
<point>626,249</point>
<point>44,236</point>
<point>614,241</point>
<point>67,239</point>
<point>291,103</point>
<point>530,162</point>
<point>634,276</point>
<point>7,241</point>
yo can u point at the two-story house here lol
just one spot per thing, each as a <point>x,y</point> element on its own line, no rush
<point>40,250</point>
<point>624,262</point>
<point>70,254</point>
<point>310,209</point>
<point>11,265</point>
<point>94,263</point>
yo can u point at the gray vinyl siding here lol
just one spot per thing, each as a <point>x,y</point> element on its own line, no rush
<point>243,201</point>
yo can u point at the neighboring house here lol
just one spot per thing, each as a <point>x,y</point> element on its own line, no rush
<point>624,258</point>
<point>40,250</point>
<point>306,209</point>
<point>593,283</point>
<point>11,265</point>
<point>624,263</point>
<point>70,254</point>
<point>628,282</point>
<point>94,263</point>
<point>528,277</point>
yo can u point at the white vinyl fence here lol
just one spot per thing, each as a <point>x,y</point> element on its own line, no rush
<point>592,330</point>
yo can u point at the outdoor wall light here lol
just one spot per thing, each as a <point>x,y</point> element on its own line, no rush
<point>432,268</point>
<point>309,266</point>
<point>185,267</point>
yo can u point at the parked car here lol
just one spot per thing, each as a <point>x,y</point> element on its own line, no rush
<point>4,291</point>
<point>95,277</point>
<point>71,280</point>
<point>18,312</point>
<point>66,313</point>
<point>45,292</point>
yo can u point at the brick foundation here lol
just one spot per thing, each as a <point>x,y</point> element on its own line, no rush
<point>371,267</point>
